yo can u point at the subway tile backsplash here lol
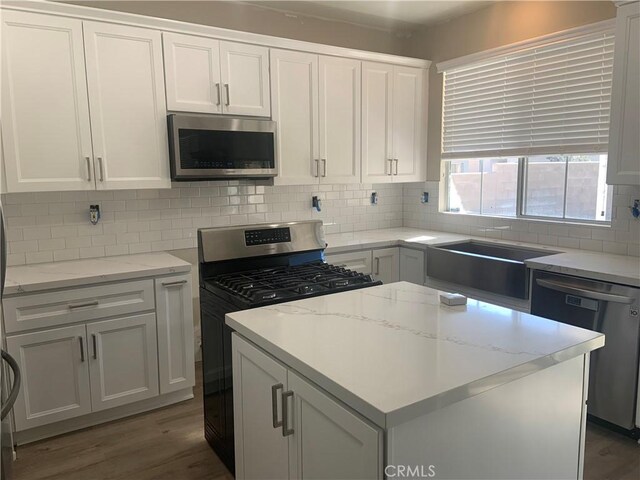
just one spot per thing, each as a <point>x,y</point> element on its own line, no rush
<point>54,226</point>
<point>621,237</point>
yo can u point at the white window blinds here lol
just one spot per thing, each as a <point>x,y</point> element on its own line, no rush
<point>553,98</point>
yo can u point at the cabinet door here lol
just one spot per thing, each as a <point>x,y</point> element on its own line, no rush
<point>174,309</point>
<point>407,125</point>
<point>339,120</point>
<point>55,376</point>
<point>357,261</point>
<point>324,429</point>
<point>623,166</point>
<point>377,153</point>
<point>192,73</point>
<point>128,110</point>
<point>45,111</point>
<point>386,264</point>
<point>412,266</point>
<point>258,383</point>
<point>294,95</point>
<point>123,360</point>
<point>245,79</point>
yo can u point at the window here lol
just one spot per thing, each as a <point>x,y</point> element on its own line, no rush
<point>525,132</point>
<point>569,187</point>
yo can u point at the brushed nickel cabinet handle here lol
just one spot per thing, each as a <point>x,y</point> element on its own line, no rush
<point>219,94</point>
<point>174,284</point>
<point>274,405</point>
<point>95,348</point>
<point>88,159</point>
<point>92,303</point>
<point>390,160</point>
<point>81,349</point>
<point>396,160</point>
<point>101,168</point>
<point>317,167</point>
<point>377,259</point>
<point>286,430</point>
<point>226,87</point>
<point>324,167</point>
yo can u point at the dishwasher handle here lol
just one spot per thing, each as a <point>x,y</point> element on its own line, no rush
<point>583,292</point>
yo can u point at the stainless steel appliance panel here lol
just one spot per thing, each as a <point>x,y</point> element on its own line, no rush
<point>203,147</point>
<point>226,243</point>
<point>607,308</point>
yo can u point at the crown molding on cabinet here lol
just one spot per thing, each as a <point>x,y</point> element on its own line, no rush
<point>88,13</point>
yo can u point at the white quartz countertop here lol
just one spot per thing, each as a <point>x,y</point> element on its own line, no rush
<point>393,352</point>
<point>47,276</point>
<point>599,266</point>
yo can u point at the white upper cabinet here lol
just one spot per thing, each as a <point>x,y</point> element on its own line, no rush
<point>392,112</point>
<point>245,77</point>
<point>339,114</point>
<point>294,95</point>
<point>192,73</point>
<point>128,109</point>
<point>45,112</point>
<point>205,75</point>
<point>410,165</point>
<point>377,150</point>
<point>624,138</point>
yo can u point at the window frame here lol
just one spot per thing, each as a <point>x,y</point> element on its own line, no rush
<point>520,196</point>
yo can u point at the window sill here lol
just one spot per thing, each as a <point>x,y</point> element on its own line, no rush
<point>584,223</point>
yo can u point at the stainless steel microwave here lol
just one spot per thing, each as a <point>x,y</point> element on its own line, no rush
<point>204,147</point>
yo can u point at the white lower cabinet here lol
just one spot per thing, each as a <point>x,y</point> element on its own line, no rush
<point>412,266</point>
<point>356,261</point>
<point>386,264</point>
<point>321,428</point>
<point>258,383</point>
<point>119,350</point>
<point>123,360</point>
<point>55,376</point>
<point>174,310</point>
<point>285,427</point>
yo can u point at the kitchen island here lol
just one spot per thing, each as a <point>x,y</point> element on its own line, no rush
<point>385,380</point>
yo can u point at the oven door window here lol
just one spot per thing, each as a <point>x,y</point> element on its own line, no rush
<point>221,149</point>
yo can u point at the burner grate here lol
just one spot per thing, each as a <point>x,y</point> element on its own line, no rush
<point>289,282</point>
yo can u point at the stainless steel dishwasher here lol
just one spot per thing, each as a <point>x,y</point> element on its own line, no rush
<point>610,309</point>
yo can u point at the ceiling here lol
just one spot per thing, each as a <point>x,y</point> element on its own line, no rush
<point>398,15</point>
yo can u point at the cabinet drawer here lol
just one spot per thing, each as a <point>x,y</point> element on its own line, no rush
<point>41,310</point>
<point>357,261</point>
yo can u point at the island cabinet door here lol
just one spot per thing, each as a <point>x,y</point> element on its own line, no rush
<point>326,439</point>
<point>259,382</point>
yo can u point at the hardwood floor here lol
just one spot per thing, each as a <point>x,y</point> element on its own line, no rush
<point>169,444</point>
<point>610,456</point>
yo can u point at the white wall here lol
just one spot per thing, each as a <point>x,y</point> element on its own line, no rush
<point>622,237</point>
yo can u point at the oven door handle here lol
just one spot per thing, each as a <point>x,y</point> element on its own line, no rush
<point>583,292</point>
<point>6,408</point>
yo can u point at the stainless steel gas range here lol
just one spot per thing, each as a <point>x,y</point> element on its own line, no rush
<point>248,267</point>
